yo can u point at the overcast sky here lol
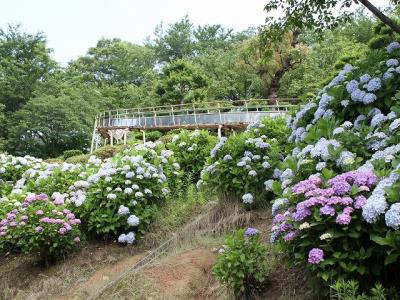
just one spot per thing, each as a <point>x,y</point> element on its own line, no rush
<point>72,26</point>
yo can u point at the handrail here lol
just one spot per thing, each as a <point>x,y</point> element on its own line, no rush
<point>213,105</point>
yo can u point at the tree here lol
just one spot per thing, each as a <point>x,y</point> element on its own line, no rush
<point>176,43</point>
<point>320,14</point>
<point>24,61</point>
<point>181,82</point>
<point>115,62</point>
<point>212,37</point>
<point>229,77</point>
<point>48,125</point>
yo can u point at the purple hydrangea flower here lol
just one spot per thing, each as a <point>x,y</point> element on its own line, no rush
<point>251,231</point>
<point>315,256</point>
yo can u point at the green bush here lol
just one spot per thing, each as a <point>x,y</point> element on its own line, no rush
<point>106,151</point>
<point>242,263</point>
<point>240,164</point>
<point>69,153</point>
<point>191,150</point>
<point>154,135</point>
<point>78,159</point>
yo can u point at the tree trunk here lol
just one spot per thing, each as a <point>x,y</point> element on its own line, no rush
<point>380,15</point>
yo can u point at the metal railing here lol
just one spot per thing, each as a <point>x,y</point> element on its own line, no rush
<point>203,113</point>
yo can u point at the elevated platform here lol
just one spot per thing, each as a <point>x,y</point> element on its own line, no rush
<point>238,114</point>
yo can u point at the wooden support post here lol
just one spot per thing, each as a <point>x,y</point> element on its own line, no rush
<point>219,131</point>
<point>144,135</point>
<point>194,112</point>
<point>93,135</point>
<point>111,138</point>
<point>125,134</point>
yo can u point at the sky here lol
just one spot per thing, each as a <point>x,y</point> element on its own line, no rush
<point>72,26</point>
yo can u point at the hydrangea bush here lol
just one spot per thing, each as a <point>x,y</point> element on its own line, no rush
<point>39,225</point>
<point>238,165</point>
<point>242,264</point>
<point>191,149</point>
<point>339,213</point>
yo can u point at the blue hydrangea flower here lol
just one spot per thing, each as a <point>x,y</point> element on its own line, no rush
<point>392,47</point>
<point>387,75</point>
<point>227,157</point>
<point>351,86</point>
<point>123,210</point>
<point>344,103</point>
<point>133,221</point>
<point>374,84</point>
<point>394,125</point>
<point>279,204</point>
<point>392,63</point>
<point>320,166</point>
<point>378,119</point>
<point>365,78</point>
<point>368,98</point>
<point>247,198</point>
<point>358,95</point>
<point>268,184</point>
<point>392,216</point>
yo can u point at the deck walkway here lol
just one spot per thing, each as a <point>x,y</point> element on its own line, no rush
<point>115,124</point>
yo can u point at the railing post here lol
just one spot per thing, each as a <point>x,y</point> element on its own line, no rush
<point>194,112</point>
<point>173,114</point>
<point>219,113</point>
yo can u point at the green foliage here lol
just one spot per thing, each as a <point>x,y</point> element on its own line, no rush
<point>47,125</point>
<point>318,15</point>
<point>25,60</point>
<point>348,290</point>
<point>242,264</point>
<point>240,164</point>
<point>153,135</point>
<point>78,159</point>
<point>182,82</point>
<point>70,153</point>
<point>191,150</point>
<point>106,151</point>
<point>322,58</point>
<point>113,62</point>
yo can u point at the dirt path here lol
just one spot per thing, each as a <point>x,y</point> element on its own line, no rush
<point>183,275</point>
<point>91,286</point>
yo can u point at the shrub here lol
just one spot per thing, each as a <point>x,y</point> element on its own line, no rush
<point>69,153</point>
<point>105,152</point>
<point>153,135</point>
<point>191,149</point>
<point>238,166</point>
<point>78,159</point>
<point>40,226</point>
<point>344,227</point>
<point>326,227</point>
<point>242,264</point>
<point>122,195</point>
